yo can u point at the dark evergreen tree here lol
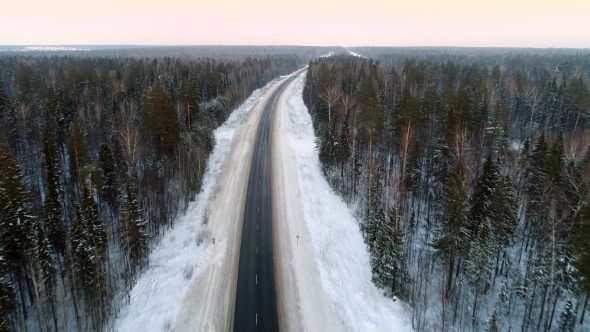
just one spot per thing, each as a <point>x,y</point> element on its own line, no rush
<point>7,299</point>
<point>494,322</point>
<point>15,220</point>
<point>134,230</point>
<point>556,162</point>
<point>483,193</point>
<point>374,213</point>
<point>109,188</point>
<point>77,150</point>
<point>580,247</point>
<point>94,223</point>
<point>452,238</point>
<point>52,208</point>
<point>567,320</point>
<point>503,211</point>
<point>161,119</point>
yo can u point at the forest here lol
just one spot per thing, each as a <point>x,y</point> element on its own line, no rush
<point>100,151</point>
<point>468,170</point>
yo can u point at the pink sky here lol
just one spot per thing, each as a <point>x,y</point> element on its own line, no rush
<point>518,23</point>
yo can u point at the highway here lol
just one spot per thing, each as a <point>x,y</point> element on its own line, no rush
<point>256,300</point>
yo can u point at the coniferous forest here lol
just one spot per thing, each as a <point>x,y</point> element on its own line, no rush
<point>469,173</point>
<point>100,151</point>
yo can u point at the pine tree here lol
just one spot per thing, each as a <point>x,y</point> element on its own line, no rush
<point>161,119</point>
<point>187,94</point>
<point>109,189</point>
<point>52,207</point>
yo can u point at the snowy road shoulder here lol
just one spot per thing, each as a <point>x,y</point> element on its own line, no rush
<point>338,248</point>
<point>185,251</point>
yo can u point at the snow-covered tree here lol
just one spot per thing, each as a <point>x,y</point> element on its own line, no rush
<point>494,322</point>
<point>483,193</point>
<point>567,320</point>
<point>7,299</point>
<point>134,229</point>
<point>52,209</point>
<point>452,237</point>
<point>387,258</point>
<point>109,189</point>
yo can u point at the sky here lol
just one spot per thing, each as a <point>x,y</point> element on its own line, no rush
<point>504,23</point>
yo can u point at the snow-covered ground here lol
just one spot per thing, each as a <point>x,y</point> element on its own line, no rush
<point>323,277</point>
<point>330,275</point>
<point>186,252</point>
<point>356,54</point>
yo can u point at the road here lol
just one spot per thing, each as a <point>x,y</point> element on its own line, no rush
<point>256,303</point>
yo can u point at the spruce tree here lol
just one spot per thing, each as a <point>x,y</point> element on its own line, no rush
<point>483,192</point>
<point>580,249</point>
<point>538,163</point>
<point>77,150</point>
<point>94,223</point>
<point>480,259</point>
<point>503,210</point>
<point>413,177</point>
<point>382,255</point>
<point>494,322</point>
<point>135,238</point>
<point>556,162</point>
<point>452,237</point>
<point>567,320</point>
<point>15,221</point>
<point>109,189</point>
<point>374,213</point>
<point>7,299</point>
<point>52,208</point>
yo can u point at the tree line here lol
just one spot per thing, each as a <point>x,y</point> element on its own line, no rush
<point>470,181</point>
<point>98,155</point>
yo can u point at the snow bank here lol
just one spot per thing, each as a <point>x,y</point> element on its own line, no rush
<point>184,251</point>
<point>356,54</point>
<point>339,249</point>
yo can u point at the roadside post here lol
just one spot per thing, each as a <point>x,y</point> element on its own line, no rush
<point>298,240</point>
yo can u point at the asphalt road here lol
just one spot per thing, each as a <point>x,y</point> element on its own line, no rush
<point>256,303</point>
